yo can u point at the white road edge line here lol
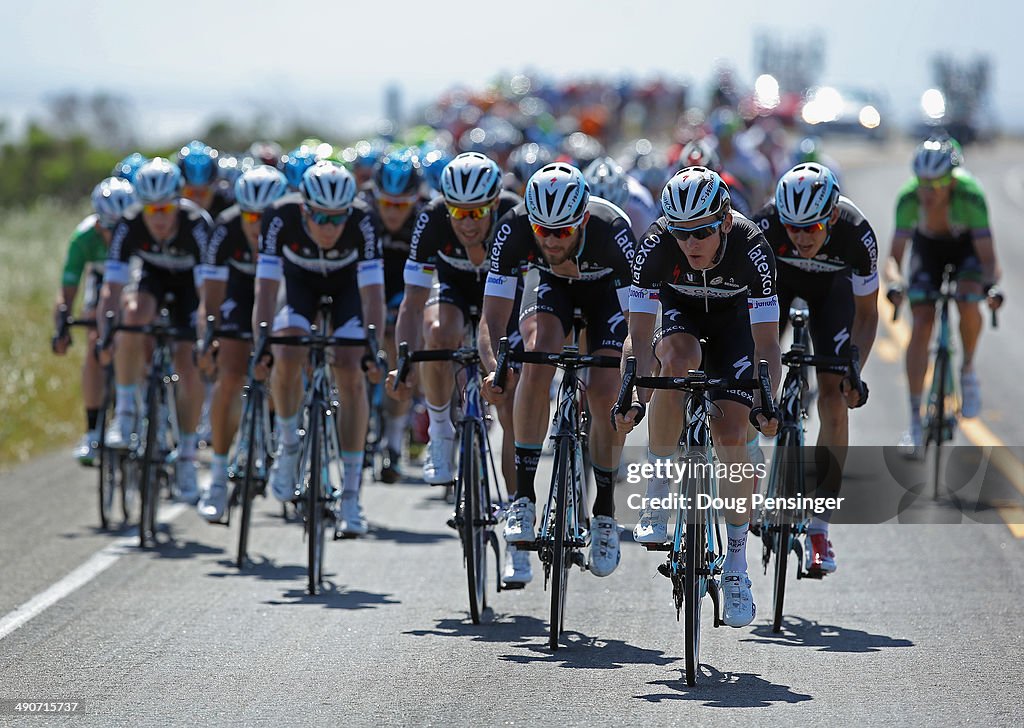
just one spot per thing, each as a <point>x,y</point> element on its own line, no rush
<point>1013,183</point>
<point>96,565</point>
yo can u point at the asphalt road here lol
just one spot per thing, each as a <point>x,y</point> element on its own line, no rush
<point>920,625</point>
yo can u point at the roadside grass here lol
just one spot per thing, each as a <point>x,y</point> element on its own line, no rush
<point>40,394</point>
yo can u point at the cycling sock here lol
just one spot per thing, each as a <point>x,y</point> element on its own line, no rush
<point>440,421</point>
<point>219,468</point>
<point>527,458</point>
<point>397,426</point>
<point>92,418</point>
<point>187,446</point>
<point>915,407</point>
<point>819,524</point>
<point>352,479</point>
<point>657,486</point>
<point>125,405</point>
<point>754,450</point>
<point>604,502</point>
<point>736,558</point>
<point>288,429</point>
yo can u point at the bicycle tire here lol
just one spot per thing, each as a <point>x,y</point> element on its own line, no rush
<point>694,563</point>
<point>561,557</point>
<point>106,480</point>
<point>147,474</point>
<point>253,412</point>
<point>473,537</point>
<point>314,509</point>
<point>937,426</point>
<point>784,475</point>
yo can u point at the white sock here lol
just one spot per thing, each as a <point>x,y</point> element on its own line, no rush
<point>396,431</point>
<point>219,468</point>
<point>288,429</point>
<point>440,421</point>
<point>187,448</point>
<point>658,487</point>
<point>125,400</point>
<point>352,473</point>
<point>736,558</point>
<point>818,525</point>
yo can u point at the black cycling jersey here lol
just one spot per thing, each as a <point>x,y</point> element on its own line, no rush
<point>230,258</point>
<point>395,245</point>
<point>286,248</point>
<point>850,247</point>
<point>435,247</point>
<point>742,275</point>
<point>179,255</point>
<point>605,252</point>
<point>221,202</point>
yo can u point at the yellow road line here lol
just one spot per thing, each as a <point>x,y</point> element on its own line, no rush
<point>974,430</point>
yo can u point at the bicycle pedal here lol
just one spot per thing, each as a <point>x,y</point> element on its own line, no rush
<point>665,570</point>
<point>579,560</point>
<point>713,592</point>
<point>816,574</point>
<point>442,485</point>
<point>453,523</point>
<point>658,546</point>
<point>512,585</point>
<point>526,545</point>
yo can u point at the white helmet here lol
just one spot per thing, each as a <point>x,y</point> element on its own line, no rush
<point>607,180</point>
<point>328,185</point>
<point>806,194</point>
<point>557,196</point>
<point>936,158</point>
<point>111,197</point>
<point>158,180</point>
<point>260,186</point>
<point>471,179</point>
<point>693,193</point>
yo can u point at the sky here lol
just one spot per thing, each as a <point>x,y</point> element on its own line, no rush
<point>329,62</point>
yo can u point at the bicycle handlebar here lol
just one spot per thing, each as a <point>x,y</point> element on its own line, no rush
<point>64,324</point>
<point>405,359</point>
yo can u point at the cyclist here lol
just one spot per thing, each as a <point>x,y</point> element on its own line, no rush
<point>523,162</point>
<point>607,181</point>
<point>295,163</point>
<point>582,248</point>
<point>199,165</point>
<point>127,167</point>
<point>942,212</point>
<point>321,243</point>
<point>228,293</point>
<point>169,234</point>
<point>87,254</point>
<point>713,274</point>
<point>700,153</point>
<point>827,255</point>
<point>396,194</point>
<point>455,235</point>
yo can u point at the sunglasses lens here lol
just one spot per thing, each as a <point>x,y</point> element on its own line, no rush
<point>558,233</point>
<point>476,213</point>
<point>816,227</point>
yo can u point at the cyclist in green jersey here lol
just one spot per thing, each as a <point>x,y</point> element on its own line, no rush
<point>943,213</point>
<point>86,254</point>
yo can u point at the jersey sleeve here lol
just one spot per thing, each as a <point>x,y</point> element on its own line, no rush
<point>975,208</point>
<point>269,265</point>
<point>762,296</point>
<point>74,263</point>
<point>864,260</point>
<point>117,270</point>
<point>507,252</point>
<point>370,268</point>
<point>907,208</point>
<point>644,291</point>
<point>622,262</point>
<point>420,265</point>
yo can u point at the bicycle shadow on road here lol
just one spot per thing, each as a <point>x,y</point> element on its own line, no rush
<point>717,689</point>
<point>398,535</point>
<point>580,651</point>
<point>333,596</point>
<point>800,632</point>
<point>496,628</point>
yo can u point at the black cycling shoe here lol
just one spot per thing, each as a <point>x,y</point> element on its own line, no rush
<point>390,472</point>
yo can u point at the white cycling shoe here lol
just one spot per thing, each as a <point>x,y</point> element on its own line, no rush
<point>437,468</point>
<point>738,608</point>
<point>119,435</point>
<point>85,451</point>
<point>282,473</point>
<point>518,570</point>
<point>652,526</point>
<point>214,502</point>
<point>185,478</point>
<point>911,444</point>
<point>604,545</point>
<point>520,521</point>
<point>350,521</point>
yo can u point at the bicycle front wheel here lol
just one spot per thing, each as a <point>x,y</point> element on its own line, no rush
<point>787,480</point>
<point>561,553</point>
<point>694,579</point>
<point>314,506</point>
<point>474,537</point>
<point>107,479</point>
<point>252,412</point>
<point>148,479</point>
<point>937,424</point>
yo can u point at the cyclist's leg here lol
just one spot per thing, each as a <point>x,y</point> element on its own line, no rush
<point>130,354</point>
<point>350,380</point>
<point>506,414</point>
<point>232,361</point>
<point>925,277</point>
<point>396,421</point>
<point>831,321</point>
<point>969,294</point>
<point>190,392</point>
<point>438,381</point>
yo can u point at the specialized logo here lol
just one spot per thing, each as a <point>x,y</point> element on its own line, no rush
<point>616,319</point>
<point>841,338</point>
<point>741,365</point>
<point>542,290</point>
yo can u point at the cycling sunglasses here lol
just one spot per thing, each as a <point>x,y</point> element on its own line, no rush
<point>700,233</point>
<point>397,202</point>
<point>560,232</point>
<point>814,227</point>
<point>152,208</point>
<point>194,190</point>
<point>248,216</point>
<point>476,213</point>
<point>936,183</point>
<point>327,218</point>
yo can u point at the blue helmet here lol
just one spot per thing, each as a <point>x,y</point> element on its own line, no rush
<point>398,174</point>
<point>295,163</point>
<point>432,164</point>
<point>198,162</point>
<point>367,154</point>
<point>527,159</point>
<point>127,167</point>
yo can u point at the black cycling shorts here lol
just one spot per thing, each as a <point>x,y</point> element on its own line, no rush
<point>830,303</point>
<point>236,310</point>
<point>303,293</point>
<point>929,256</point>
<point>598,301</point>
<point>160,283</point>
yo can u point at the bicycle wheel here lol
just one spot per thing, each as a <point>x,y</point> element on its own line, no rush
<point>148,485</point>
<point>937,423</point>
<point>561,554</point>
<point>694,580</point>
<point>252,412</point>
<point>474,545</point>
<point>314,507</point>
<point>785,475</point>
<point>107,477</point>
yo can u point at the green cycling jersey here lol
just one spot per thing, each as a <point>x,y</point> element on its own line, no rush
<point>968,211</point>
<point>87,248</point>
